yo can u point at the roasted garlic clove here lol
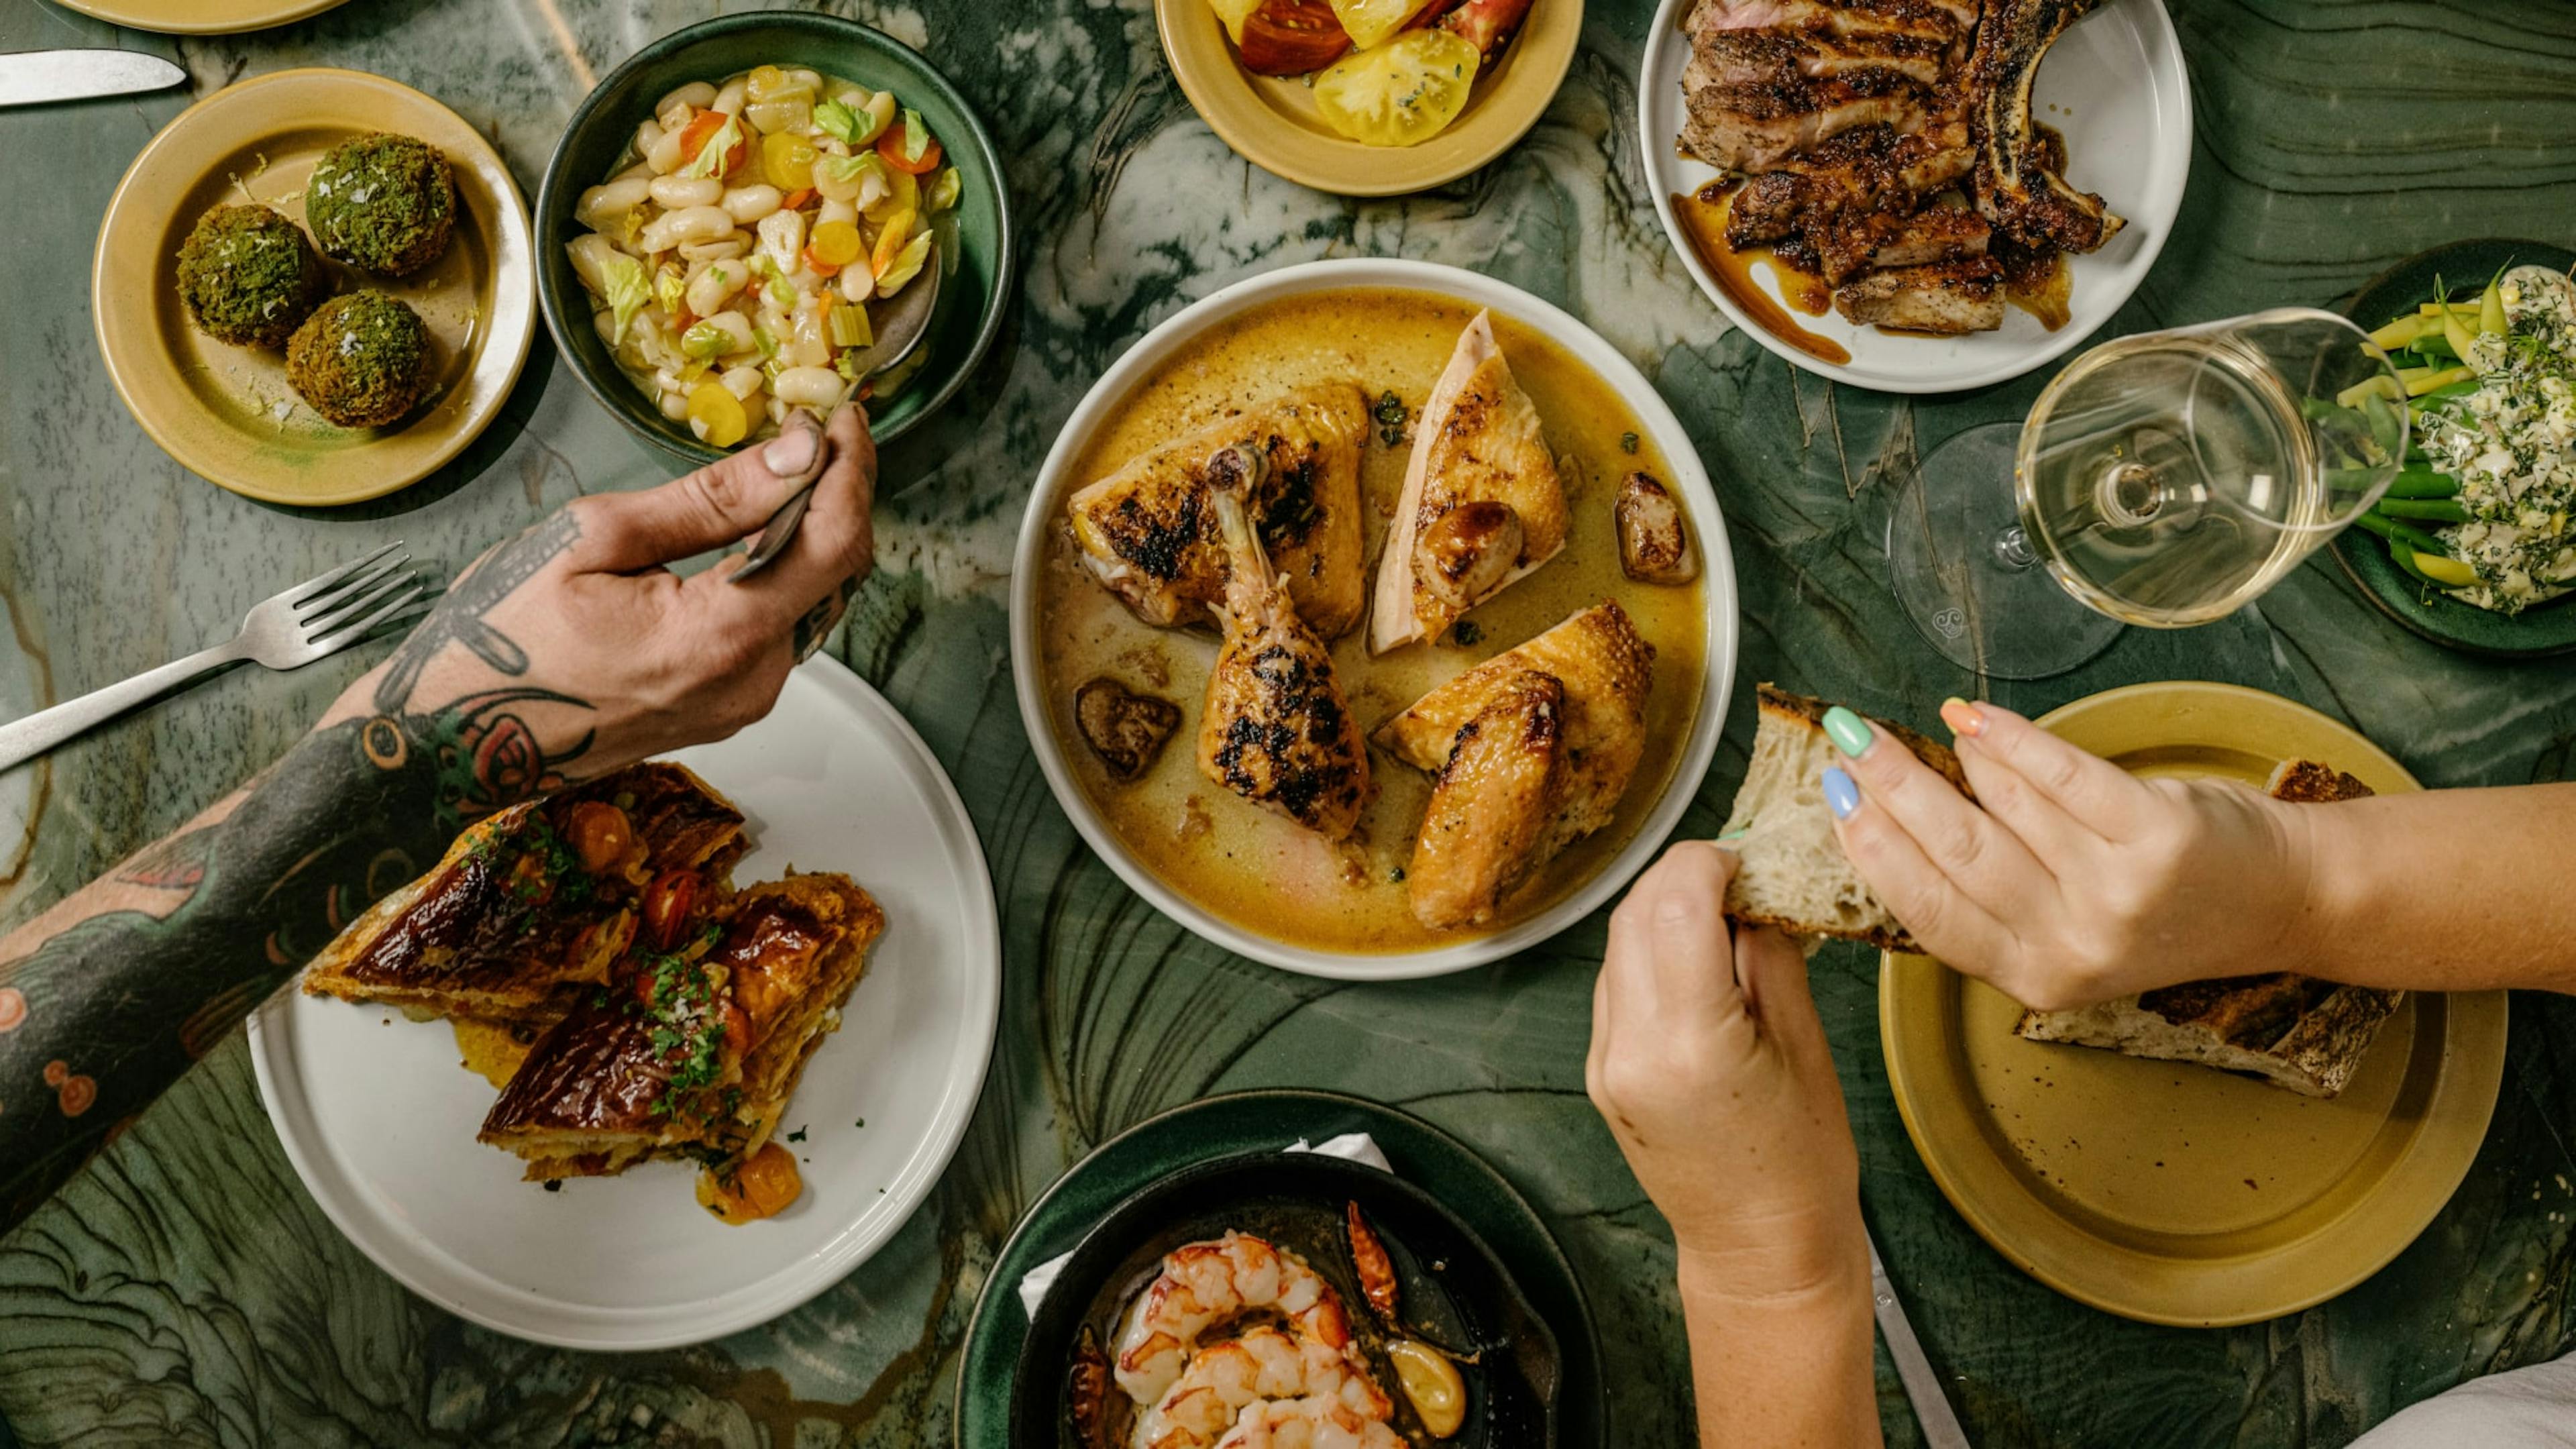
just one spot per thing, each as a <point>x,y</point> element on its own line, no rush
<point>1124,728</point>
<point>1654,543</point>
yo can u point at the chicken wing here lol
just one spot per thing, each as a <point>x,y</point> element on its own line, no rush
<point>1147,532</point>
<point>1603,670</point>
<point>1276,729</point>
<point>1482,502</point>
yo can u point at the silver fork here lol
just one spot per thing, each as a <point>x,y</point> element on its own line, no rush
<point>316,617</point>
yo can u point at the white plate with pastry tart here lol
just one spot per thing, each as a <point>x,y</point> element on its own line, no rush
<point>1373,619</point>
<point>662,1055</point>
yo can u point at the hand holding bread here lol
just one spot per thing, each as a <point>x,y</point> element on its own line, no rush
<point>1711,1066</point>
<point>2066,880</point>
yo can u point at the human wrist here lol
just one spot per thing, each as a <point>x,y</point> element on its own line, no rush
<point>2324,891</point>
<point>1784,1262</point>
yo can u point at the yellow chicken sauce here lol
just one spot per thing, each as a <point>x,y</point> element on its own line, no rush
<point>1254,868</point>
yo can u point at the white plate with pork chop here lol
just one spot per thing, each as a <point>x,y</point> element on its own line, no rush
<point>1885,181</point>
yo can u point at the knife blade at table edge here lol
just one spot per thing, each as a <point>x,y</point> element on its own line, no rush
<point>1922,1386</point>
<point>37,77</point>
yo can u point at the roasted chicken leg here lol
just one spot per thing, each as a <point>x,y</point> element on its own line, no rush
<point>1276,729</point>
<point>1522,774</point>
<point>1147,533</point>
<point>1482,502</point>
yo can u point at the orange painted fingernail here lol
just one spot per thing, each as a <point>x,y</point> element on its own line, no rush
<point>1962,717</point>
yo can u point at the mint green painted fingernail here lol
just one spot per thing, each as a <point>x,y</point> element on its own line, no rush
<point>1849,732</point>
<point>1735,835</point>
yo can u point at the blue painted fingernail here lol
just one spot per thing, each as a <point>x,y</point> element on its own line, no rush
<point>1841,795</point>
<point>1849,732</point>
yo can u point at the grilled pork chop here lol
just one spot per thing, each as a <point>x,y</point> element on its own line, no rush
<point>2017,187</point>
<point>1940,21</point>
<point>1773,57</point>
<point>1761,126</point>
<point>1943,297</point>
<point>1879,240</point>
<point>1868,168</point>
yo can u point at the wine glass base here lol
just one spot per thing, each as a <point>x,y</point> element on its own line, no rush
<point>1983,605</point>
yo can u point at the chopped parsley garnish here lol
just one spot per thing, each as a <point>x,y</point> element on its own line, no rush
<point>1390,414</point>
<point>1467,632</point>
<point>796,1136</point>
<point>1627,442</point>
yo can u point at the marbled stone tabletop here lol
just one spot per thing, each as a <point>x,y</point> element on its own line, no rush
<point>186,1290</point>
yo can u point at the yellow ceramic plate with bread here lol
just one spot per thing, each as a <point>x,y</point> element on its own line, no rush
<point>2176,1193</point>
<point>202,17</point>
<point>1273,121</point>
<point>228,413</point>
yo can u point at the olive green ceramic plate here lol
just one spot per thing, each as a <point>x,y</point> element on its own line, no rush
<point>202,17</point>
<point>1245,1123</point>
<point>974,239</point>
<point>228,413</point>
<point>2175,1193</point>
<point>2548,629</point>
<point>1272,121</point>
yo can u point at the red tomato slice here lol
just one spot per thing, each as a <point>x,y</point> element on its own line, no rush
<point>1292,37</point>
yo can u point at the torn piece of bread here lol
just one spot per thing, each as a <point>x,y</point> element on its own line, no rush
<point>1793,873</point>
<point>2294,1031</point>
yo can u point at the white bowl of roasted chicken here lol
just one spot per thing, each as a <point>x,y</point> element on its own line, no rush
<point>1916,197</point>
<point>1373,619</point>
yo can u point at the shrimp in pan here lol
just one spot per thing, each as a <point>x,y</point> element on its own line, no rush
<point>1226,1378</point>
<point>1206,1284</point>
<point>1310,1423</point>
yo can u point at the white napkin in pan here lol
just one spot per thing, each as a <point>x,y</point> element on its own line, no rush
<point>1355,1146</point>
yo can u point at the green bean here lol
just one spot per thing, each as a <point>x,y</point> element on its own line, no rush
<point>2318,409</point>
<point>2384,422</point>
<point>2455,389</point>
<point>2405,533</point>
<point>2423,483</point>
<point>2404,557</point>
<point>2431,510</point>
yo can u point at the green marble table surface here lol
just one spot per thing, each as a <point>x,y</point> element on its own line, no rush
<point>185,1290</point>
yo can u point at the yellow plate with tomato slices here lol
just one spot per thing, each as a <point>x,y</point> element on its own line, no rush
<point>1276,123</point>
<point>228,414</point>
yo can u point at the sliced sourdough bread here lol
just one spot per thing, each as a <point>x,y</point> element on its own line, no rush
<point>1793,873</point>
<point>2294,1031</point>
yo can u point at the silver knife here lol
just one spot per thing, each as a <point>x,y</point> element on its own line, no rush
<point>35,77</point>
<point>1922,1386</point>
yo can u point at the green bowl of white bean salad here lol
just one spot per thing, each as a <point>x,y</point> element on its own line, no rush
<point>730,209</point>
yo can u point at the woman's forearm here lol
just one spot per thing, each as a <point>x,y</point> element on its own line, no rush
<point>1774,1370</point>
<point>106,998</point>
<point>2445,890</point>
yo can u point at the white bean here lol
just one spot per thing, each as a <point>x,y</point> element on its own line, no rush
<point>689,224</point>
<point>601,206</point>
<point>748,204</point>
<point>675,406</point>
<point>810,387</point>
<point>731,98</point>
<point>836,211</point>
<point>801,79</point>
<point>665,156</point>
<point>696,95</point>
<point>714,283</point>
<point>742,382</point>
<point>858,283</point>
<point>637,172</point>
<point>777,412</point>
<point>591,255</point>
<point>724,250</point>
<point>677,192</point>
<point>782,236</point>
<point>647,136</point>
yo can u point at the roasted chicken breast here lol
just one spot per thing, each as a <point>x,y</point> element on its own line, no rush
<point>1533,749</point>
<point>1482,502</point>
<point>1147,531</point>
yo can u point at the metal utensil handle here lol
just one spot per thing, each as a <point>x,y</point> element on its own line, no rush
<point>22,740</point>
<point>1922,1386</point>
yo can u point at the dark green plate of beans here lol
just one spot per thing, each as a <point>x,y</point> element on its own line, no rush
<point>2377,553</point>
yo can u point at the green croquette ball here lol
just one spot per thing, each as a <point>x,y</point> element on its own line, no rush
<point>362,360</point>
<point>382,203</point>
<point>249,277</point>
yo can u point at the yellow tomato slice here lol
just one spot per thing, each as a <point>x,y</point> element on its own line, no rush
<point>1403,92</point>
<point>1369,22</point>
<point>788,160</point>
<point>1232,14</point>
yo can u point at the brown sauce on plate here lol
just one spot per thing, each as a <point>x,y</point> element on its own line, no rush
<point>1703,218</point>
<point>1242,863</point>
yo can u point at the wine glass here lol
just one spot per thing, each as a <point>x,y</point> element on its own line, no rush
<point>2165,479</point>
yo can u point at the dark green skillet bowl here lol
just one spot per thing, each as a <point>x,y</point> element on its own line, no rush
<point>2543,629</point>
<point>598,143</point>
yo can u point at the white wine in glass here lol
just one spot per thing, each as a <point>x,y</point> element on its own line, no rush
<point>2165,479</point>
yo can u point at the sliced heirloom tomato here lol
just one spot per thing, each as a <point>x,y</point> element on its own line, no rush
<point>1401,94</point>
<point>1292,37</point>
